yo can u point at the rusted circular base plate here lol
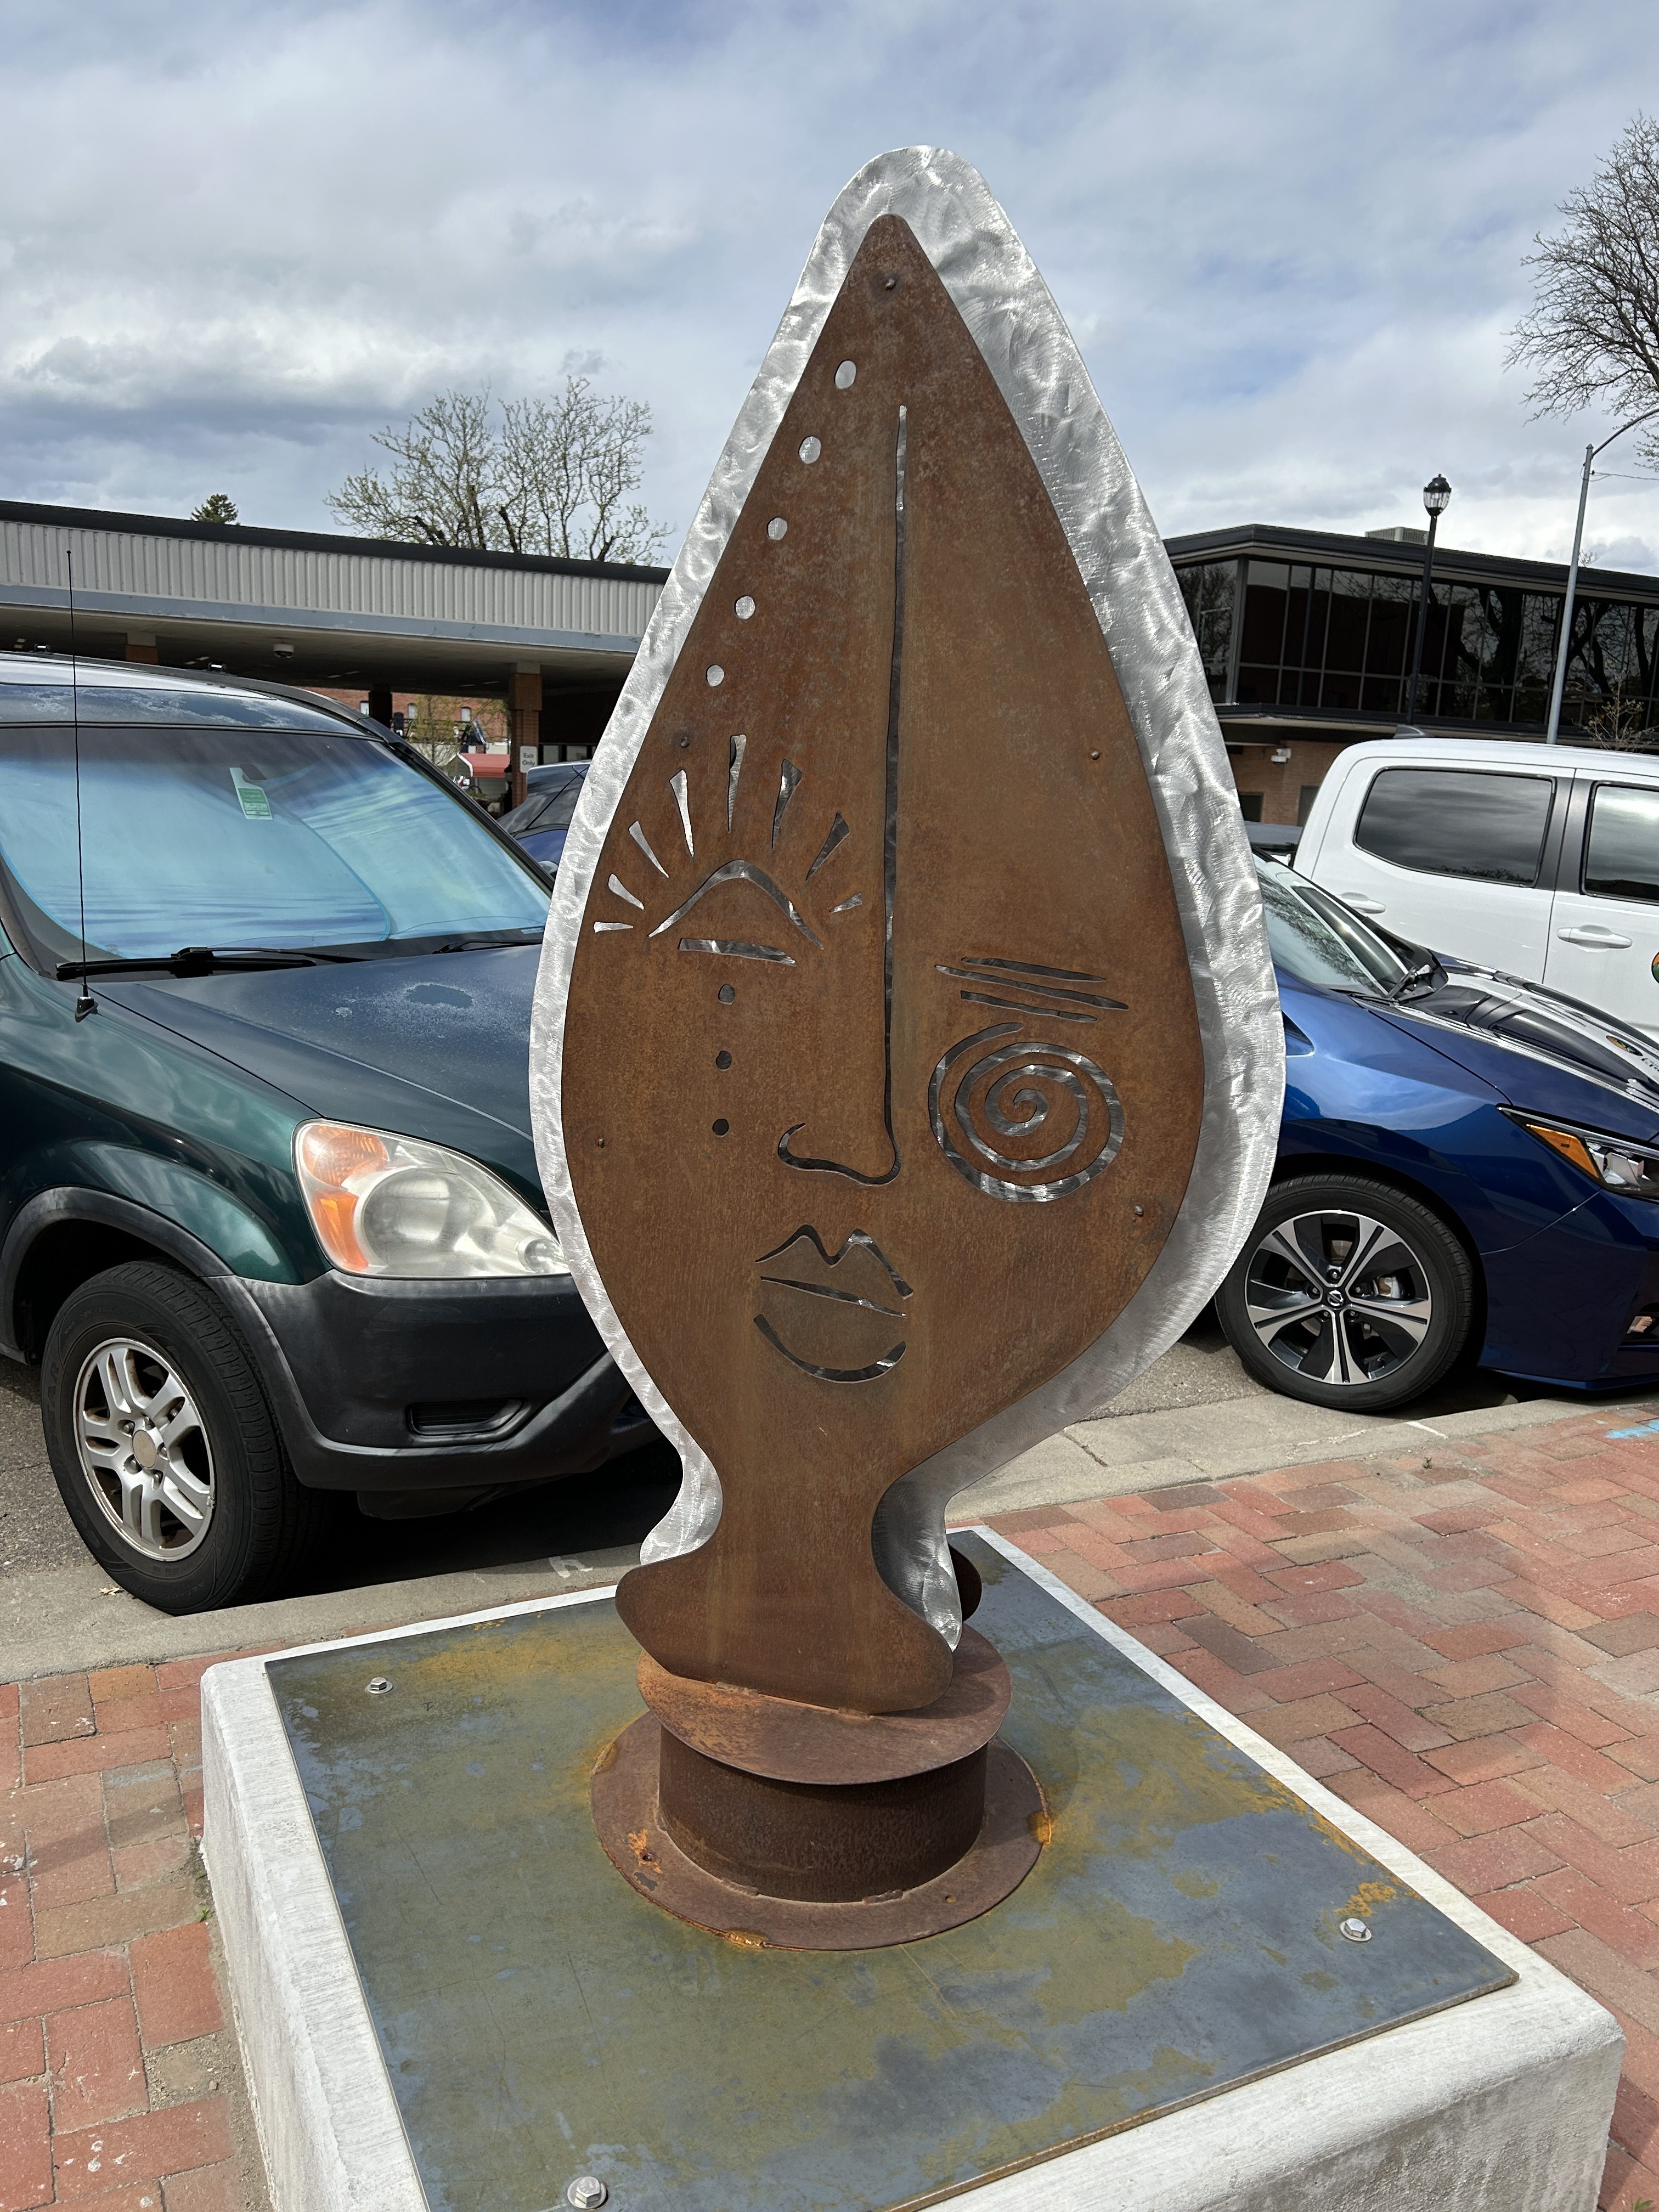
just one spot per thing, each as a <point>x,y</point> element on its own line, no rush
<point>624,1799</point>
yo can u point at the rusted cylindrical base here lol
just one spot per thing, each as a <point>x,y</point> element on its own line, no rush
<point>826,1841</point>
<point>802,1826</point>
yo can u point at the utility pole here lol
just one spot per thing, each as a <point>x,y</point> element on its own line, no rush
<point>1553,728</point>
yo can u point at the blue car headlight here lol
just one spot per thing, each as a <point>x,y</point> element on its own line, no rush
<point>1616,1163</point>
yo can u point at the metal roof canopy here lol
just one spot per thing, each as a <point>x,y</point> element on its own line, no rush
<point>355,611</point>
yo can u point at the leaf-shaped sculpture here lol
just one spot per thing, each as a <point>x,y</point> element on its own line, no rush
<point>906,1030</point>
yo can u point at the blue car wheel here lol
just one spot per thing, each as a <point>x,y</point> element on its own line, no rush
<point>1348,1294</point>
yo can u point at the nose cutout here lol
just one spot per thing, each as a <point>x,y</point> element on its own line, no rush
<point>848,1166</point>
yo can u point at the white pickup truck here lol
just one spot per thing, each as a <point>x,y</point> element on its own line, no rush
<point>1541,860</point>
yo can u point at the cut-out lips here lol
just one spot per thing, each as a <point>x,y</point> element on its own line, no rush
<point>839,1315</point>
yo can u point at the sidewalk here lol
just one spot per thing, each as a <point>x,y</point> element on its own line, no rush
<point>1463,1640</point>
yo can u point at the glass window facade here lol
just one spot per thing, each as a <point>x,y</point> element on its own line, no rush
<point>1211,591</point>
<point>1301,634</point>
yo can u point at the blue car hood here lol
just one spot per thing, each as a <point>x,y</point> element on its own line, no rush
<point>1539,1050</point>
<point>436,1046</point>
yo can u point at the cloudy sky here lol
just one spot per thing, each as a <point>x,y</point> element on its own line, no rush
<point>236,239</point>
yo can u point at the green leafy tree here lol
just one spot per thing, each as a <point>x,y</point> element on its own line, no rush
<point>1592,337</point>
<point>520,476</point>
<point>217,507</point>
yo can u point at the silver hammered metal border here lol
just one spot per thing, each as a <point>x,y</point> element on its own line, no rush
<point>1030,352</point>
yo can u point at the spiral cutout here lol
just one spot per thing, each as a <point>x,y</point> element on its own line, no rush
<point>1023,1092</point>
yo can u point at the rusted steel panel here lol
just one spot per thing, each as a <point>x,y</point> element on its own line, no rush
<point>880,1053</point>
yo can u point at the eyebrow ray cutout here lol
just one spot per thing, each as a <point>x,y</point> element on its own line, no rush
<point>677,785</point>
<point>741,871</point>
<point>786,784</point>
<point>838,829</point>
<point>644,844</point>
<point>738,744</point>
<point>622,891</point>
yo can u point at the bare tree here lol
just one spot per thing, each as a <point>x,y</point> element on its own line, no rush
<point>443,484</point>
<point>526,476</point>
<point>1593,335</point>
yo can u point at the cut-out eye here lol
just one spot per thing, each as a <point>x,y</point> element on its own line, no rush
<point>811,448</point>
<point>720,1127</point>
<point>726,994</point>
<point>722,1059</point>
<point>844,375</point>
<point>745,608</point>
<point>716,676</point>
<point>777,527</point>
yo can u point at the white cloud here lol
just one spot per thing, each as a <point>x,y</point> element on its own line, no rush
<point>237,239</point>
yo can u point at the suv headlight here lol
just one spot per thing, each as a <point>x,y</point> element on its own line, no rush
<point>1615,1163</point>
<point>384,1204</point>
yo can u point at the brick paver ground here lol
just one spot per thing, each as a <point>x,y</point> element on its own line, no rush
<point>1463,1643</point>
<point>120,2086</point>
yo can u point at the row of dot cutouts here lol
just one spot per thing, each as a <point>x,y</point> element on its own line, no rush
<point>811,449</point>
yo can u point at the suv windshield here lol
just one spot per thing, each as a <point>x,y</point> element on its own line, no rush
<point>278,838</point>
<point>1316,939</point>
<point>545,809</point>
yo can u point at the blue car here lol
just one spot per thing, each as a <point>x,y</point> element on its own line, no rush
<point>542,822</point>
<point>1468,1171</point>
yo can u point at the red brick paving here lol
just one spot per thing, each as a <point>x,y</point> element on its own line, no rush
<point>1464,1645</point>
<point>114,2093</point>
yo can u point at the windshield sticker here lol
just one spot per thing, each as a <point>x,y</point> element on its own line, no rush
<point>255,805</point>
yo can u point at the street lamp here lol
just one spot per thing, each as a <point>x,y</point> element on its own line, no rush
<point>1559,685</point>
<point>1436,498</point>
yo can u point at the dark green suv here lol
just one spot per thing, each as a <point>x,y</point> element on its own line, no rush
<point>270,1214</point>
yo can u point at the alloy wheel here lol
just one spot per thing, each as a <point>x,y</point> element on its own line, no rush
<point>1338,1297</point>
<point>143,1448</point>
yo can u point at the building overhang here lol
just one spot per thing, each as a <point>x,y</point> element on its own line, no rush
<point>309,608</point>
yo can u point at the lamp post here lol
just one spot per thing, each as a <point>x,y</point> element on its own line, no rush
<point>1436,498</point>
<point>1552,727</point>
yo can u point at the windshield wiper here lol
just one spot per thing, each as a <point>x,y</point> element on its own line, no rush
<point>197,960</point>
<point>1428,971</point>
<point>484,940</point>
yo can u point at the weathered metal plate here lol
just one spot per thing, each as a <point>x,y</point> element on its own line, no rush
<point>540,2020</point>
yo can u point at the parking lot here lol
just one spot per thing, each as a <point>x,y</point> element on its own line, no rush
<point>1195,1415</point>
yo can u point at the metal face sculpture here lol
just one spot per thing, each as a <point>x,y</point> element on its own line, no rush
<point>879,1071</point>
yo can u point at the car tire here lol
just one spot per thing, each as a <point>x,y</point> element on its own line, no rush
<point>165,1451</point>
<point>1348,1294</point>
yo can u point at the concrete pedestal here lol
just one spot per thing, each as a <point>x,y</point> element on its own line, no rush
<point>448,1998</point>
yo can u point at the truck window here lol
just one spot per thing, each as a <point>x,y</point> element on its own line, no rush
<point>1469,823</point>
<point>1621,859</point>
